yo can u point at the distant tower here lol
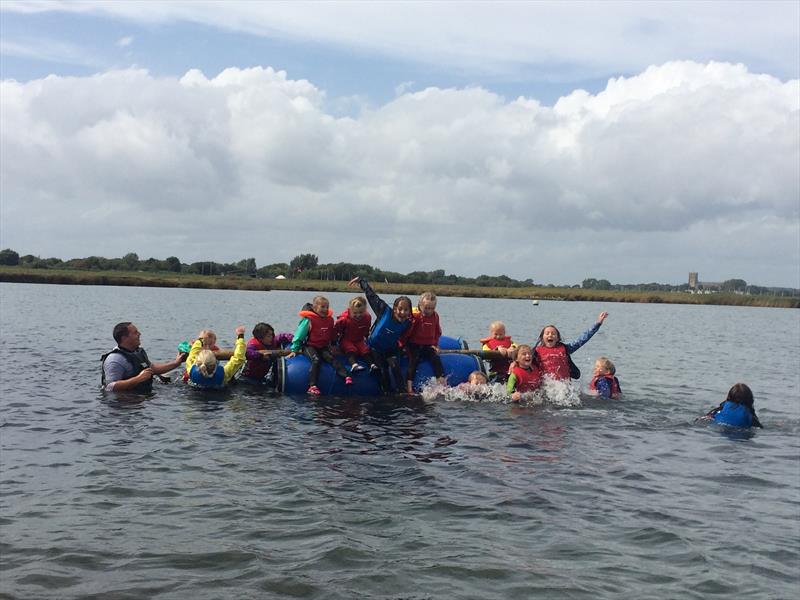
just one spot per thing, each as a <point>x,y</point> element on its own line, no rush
<point>693,281</point>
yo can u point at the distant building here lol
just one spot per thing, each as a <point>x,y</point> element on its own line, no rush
<point>692,281</point>
<point>702,287</point>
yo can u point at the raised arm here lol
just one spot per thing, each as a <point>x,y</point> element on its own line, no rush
<point>377,305</point>
<point>586,335</point>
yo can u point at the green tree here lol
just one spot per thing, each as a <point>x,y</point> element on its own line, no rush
<point>303,262</point>
<point>173,264</point>
<point>9,257</point>
<point>131,261</point>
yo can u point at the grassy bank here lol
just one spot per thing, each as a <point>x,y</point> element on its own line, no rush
<point>142,279</point>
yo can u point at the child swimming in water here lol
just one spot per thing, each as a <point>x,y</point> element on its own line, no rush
<point>208,341</point>
<point>737,409</point>
<point>498,341</point>
<point>204,369</point>
<point>391,324</point>
<point>604,381</point>
<point>423,340</point>
<point>260,366</point>
<point>314,336</point>
<point>525,375</point>
<point>352,329</point>
<point>554,355</point>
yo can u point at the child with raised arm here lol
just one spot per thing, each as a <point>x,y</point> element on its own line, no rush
<point>554,355</point>
<point>604,382</point>
<point>498,341</point>
<point>352,329</point>
<point>525,375</point>
<point>391,323</point>
<point>423,340</point>
<point>314,336</point>
<point>737,410</point>
<point>260,366</point>
<point>203,367</point>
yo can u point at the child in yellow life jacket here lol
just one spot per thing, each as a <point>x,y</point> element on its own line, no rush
<point>208,341</point>
<point>204,369</point>
<point>423,340</point>
<point>498,341</point>
<point>314,336</point>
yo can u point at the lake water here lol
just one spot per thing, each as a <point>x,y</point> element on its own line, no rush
<point>246,494</point>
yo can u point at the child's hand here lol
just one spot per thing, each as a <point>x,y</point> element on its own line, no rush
<point>354,281</point>
<point>516,397</point>
<point>602,317</point>
<point>291,355</point>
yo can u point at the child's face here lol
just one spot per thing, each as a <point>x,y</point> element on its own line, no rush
<point>209,340</point>
<point>476,379</point>
<point>599,369</point>
<point>321,308</point>
<point>524,358</point>
<point>357,312</point>
<point>550,337</point>
<point>267,339</point>
<point>427,308</point>
<point>402,311</point>
<point>498,333</point>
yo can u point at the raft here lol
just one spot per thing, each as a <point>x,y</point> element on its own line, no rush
<point>293,372</point>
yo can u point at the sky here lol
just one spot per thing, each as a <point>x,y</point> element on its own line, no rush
<point>557,141</point>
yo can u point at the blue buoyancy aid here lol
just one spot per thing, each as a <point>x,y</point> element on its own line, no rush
<point>734,414</point>
<point>216,381</point>
<point>386,331</point>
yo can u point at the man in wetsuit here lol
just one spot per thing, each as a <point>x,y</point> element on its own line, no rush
<point>127,367</point>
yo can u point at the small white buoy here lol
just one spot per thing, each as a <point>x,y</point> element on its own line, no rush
<point>535,302</point>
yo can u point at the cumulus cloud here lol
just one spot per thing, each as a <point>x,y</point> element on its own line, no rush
<point>685,166</point>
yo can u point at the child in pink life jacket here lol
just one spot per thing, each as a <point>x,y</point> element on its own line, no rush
<point>554,355</point>
<point>260,367</point>
<point>423,340</point>
<point>604,382</point>
<point>314,336</point>
<point>352,329</point>
<point>208,340</point>
<point>525,374</point>
<point>498,341</point>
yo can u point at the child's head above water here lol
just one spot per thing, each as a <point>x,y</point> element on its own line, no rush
<point>549,336</point>
<point>741,394</point>
<point>264,333</point>
<point>477,378</point>
<point>206,363</point>
<point>357,306</point>
<point>603,366</point>
<point>401,309</point>
<point>523,355</point>
<point>207,337</point>
<point>497,330</point>
<point>321,306</point>
<point>427,303</point>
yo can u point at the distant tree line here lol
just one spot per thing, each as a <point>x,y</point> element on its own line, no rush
<point>307,266</point>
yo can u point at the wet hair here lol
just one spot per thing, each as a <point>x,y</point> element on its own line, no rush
<point>400,299</point>
<point>357,302</point>
<point>262,329</point>
<point>480,374</point>
<point>429,297</point>
<point>539,341</point>
<point>120,331</point>
<point>519,349</point>
<point>741,394</point>
<point>607,365</point>
<point>496,325</point>
<point>206,363</point>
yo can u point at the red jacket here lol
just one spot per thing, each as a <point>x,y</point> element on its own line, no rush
<point>347,328</point>
<point>527,380</point>
<point>498,365</point>
<point>322,332</point>
<point>554,361</point>
<point>425,331</point>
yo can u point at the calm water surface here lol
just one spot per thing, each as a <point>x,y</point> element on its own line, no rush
<point>245,494</point>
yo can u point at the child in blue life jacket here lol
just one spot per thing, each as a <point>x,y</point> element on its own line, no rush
<point>737,410</point>
<point>604,382</point>
<point>314,336</point>
<point>260,366</point>
<point>391,326</point>
<point>554,355</point>
<point>204,369</point>
<point>208,340</point>
<point>423,340</point>
<point>498,341</point>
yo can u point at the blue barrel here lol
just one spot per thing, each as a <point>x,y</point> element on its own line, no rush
<point>293,373</point>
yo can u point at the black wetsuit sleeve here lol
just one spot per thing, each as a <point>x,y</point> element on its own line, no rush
<point>377,305</point>
<point>756,422</point>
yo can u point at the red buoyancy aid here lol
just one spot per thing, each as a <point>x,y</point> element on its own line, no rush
<point>321,333</point>
<point>527,380</point>
<point>554,360</point>
<point>425,331</point>
<point>351,329</point>
<point>498,365</point>
<point>613,383</point>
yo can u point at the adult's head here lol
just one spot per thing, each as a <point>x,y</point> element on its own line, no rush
<point>126,335</point>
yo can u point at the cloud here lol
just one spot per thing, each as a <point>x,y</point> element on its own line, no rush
<point>685,166</point>
<point>124,42</point>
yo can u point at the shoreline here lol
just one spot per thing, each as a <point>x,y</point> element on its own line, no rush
<point>177,280</point>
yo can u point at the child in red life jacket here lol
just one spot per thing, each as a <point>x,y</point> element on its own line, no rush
<point>314,336</point>
<point>260,365</point>
<point>208,339</point>
<point>554,355</point>
<point>352,329</point>
<point>423,340</point>
<point>525,375</point>
<point>604,382</point>
<point>498,341</point>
